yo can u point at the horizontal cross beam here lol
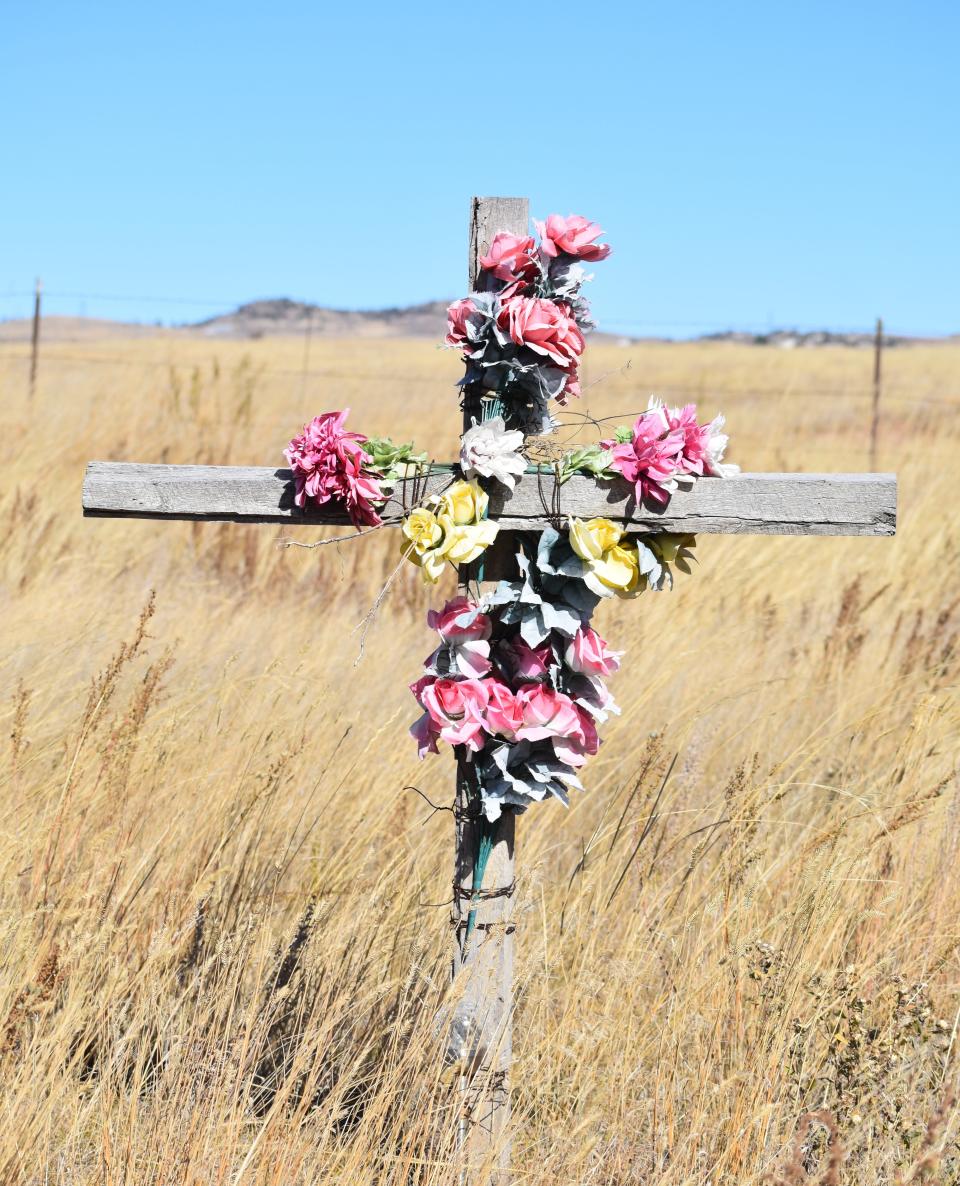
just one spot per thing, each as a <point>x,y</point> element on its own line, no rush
<point>748,504</point>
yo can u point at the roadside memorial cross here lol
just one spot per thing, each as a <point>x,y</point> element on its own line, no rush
<point>480,1022</point>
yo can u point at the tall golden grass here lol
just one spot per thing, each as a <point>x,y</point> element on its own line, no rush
<point>221,913</point>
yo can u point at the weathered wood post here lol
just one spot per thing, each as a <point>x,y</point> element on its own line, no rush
<point>481,1030</point>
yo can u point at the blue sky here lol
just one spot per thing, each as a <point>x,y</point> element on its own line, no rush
<point>754,164</point>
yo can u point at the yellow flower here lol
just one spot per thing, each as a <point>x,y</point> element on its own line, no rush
<point>462,544</point>
<point>464,503</point>
<point>451,528</point>
<point>612,562</point>
<point>669,545</point>
<point>423,530</point>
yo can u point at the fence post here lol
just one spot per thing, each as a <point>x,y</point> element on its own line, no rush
<point>875,422</point>
<point>481,1033</point>
<point>35,340</point>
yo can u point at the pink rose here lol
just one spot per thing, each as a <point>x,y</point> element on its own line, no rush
<point>425,735</point>
<point>545,327</point>
<point>588,652</point>
<point>571,387</point>
<point>459,315</point>
<point>455,624</point>
<point>527,663</point>
<point>503,714</point>
<point>511,258</point>
<point>456,710</point>
<point>575,748</point>
<point>546,713</point>
<point>571,236</point>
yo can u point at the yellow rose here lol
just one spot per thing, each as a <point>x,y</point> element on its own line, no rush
<point>611,560</point>
<point>464,503</point>
<point>423,531</point>
<point>463,543</point>
<point>591,539</point>
<point>669,545</point>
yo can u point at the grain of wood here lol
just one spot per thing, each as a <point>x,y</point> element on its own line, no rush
<point>749,504</point>
<point>482,1023</point>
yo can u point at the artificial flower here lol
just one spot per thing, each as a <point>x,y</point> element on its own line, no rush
<point>511,257</point>
<point>460,620</point>
<point>573,235</point>
<point>651,458</point>
<point>464,543</point>
<point>544,327</point>
<point>463,503</point>
<point>546,713</point>
<point>329,463</point>
<point>465,320</point>
<point>611,562</point>
<point>456,708</point>
<point>424,535</point>
<point>489,450</point>
<point>717,441</point>
<point>526,663</point>
<point>503,716</point>
<point>587,652</point>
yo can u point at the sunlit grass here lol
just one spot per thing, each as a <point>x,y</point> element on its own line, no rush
<point>222,949</point>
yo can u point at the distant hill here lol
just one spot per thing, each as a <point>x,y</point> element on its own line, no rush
<point>282,316</point>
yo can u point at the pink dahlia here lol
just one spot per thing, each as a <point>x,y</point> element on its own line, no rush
<point>695,454</point>
<point>546,327</point>
<point>329,464</point>
<point>574,235</point>
<point>652,458</point>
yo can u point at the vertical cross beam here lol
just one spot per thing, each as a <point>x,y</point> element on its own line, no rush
<point>482,1027</point>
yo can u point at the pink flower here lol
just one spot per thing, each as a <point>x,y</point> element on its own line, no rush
<point>503,715</point>
<point>695,453</point>
<point>456,708</point>
<point>328,463</point>
<point>652,458</point>
<point>457,622</point>
<point>527,663</point>
<point>511,258</point>
<point>571,236</point>
<point>425,735</point>
<point>571,387</point>
<point>460,315</point>
<point>575,748</point>
<point>546,713</point>
<point>588,652</point>
<point>545,327</point>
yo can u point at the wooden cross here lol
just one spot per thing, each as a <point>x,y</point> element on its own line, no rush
<point>480,1023</point>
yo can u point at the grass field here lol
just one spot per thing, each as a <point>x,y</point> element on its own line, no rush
<point>222,949</point>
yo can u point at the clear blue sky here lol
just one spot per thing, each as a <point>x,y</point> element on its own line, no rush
<point>753,163</point>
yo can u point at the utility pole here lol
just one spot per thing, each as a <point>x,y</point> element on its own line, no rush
<point>35,340</point>
<point>875,424</point>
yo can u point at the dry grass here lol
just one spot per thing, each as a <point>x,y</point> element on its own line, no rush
<point>220,957</point>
